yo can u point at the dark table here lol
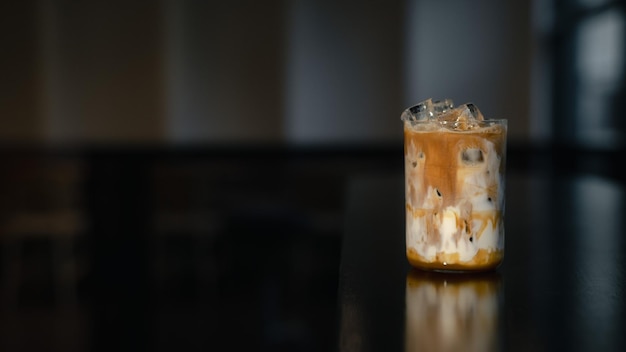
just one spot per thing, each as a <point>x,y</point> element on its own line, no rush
<point>561,285</point>
<point>267,248</point>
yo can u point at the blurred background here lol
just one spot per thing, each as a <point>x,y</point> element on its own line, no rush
<point>305,72</point>
<point>174,170</point>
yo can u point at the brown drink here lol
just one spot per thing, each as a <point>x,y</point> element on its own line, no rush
<point>454,174</point>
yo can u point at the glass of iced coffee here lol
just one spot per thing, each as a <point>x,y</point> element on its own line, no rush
<point>454,187</point>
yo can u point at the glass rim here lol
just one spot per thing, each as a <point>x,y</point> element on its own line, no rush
<point>444,122</point>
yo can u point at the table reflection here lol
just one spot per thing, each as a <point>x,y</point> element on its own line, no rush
<point>453,312</point>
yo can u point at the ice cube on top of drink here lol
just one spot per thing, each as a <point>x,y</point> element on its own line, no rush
<point>442,112</point>
<point>428,110</point>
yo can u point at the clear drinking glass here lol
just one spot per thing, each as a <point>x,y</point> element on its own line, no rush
<point>455,184</point>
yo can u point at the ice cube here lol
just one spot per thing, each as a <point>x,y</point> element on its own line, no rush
<point>472,112</point>
<point>472,156</point>
<point>419,112</point>
<point>427,110</point>
<point>464,117</point>
<point>441,107</point>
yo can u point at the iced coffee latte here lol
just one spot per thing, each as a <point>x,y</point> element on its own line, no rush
<point>454,179</point>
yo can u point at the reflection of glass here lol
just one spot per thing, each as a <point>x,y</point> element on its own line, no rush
<point>457,312</point>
